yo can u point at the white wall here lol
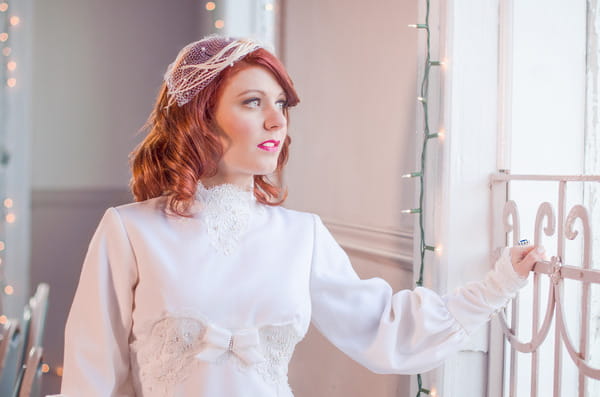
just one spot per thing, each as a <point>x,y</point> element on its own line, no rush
<point>98,66</point>
<point>353,135</point>
<point>353,132</point>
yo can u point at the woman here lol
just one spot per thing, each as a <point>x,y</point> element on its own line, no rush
<point>204,286</point>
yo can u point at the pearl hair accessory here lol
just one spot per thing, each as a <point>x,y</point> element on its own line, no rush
<point>198,63</point>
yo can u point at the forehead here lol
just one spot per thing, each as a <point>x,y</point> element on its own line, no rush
<point>252,78</point>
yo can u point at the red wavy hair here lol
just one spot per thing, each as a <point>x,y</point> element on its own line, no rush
<point>183,146</point>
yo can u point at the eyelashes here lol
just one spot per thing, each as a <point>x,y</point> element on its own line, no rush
<point>256,102</point>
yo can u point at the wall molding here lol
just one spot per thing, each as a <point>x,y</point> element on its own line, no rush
<point>378,244</point>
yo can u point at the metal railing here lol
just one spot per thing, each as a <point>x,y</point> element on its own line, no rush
<point>562,228</point>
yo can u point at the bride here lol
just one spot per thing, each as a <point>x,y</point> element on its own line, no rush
<point>205,284</point>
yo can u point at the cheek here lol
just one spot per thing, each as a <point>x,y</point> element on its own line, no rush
<point>237,129</point>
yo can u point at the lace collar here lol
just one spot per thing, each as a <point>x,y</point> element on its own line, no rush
<point>226,210</point>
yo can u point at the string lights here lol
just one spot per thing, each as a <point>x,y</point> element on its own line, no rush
<point>8,80</point>
<point>8,67</point>
<point>218,14</point>
<point>427,136</point>
<point>218,22</point>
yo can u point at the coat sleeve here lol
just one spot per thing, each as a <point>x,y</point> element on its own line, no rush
<point>406,332</point>
<point>96,355</point>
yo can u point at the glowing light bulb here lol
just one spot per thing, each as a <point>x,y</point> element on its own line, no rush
<point>269,7</point>
<point>210,6</point>
<point>11,82</point>
<point>440,135</point>
<point>3,319</point>
<point>411,211</point>
<point>9,290</point>
<point>45,368</point>
<point>58,371</point>
<point>6,51</point>
<point>3,7</point>
<point>8,203</point>
<point>12,65</point>
<point>2,246</point>
<point>14,20</point>
<point>10,217</point>
<point>219,24</point>
<point>3,36</point>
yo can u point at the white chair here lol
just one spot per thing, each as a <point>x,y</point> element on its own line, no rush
<point>38,305</point>
<point>30,378</point>
<point>7,331</point>
<point>11,357</point>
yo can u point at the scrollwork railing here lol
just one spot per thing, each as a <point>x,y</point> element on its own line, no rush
<point>561,227</point>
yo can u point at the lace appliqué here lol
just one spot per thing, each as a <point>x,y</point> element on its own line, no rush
<point>278,344</point>
<point>166,357</point>
<point>177,345</point>
<point>227,211</point>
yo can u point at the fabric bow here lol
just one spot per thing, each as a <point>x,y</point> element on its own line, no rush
<point>243,344</point>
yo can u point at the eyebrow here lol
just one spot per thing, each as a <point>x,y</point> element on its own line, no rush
<point>259,91</point>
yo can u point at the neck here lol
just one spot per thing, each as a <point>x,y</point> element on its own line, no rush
<point>244,183</point>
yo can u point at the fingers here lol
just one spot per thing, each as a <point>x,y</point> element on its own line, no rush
<point>534,255</point>
<point>523,258</point>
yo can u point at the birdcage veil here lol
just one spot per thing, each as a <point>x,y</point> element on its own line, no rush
<point>198,63</point>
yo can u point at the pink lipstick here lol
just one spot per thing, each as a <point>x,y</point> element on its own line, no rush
<point>270,146</point>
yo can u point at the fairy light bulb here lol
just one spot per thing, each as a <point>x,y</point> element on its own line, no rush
<point>219,24</point>
<point>10,217</point>
<point>11,66</point>
<point>6,51</point>
<point>3,6</point>
<point>210,6</point>
<point>45,368</point>
<point>8,202</point>
<point>11,82</point>
<point>3,319</point>
<point>58,371</point>
<point>411,211</point>
<point>15,20</point>
<point>9,290</point>
<point>269,6</point>
<point>2,246</point>
<point>3,36</point>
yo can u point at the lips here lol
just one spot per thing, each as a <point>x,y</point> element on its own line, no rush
<point>270,146</point>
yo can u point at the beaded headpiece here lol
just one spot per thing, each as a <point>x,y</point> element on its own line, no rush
<point>198,63</point>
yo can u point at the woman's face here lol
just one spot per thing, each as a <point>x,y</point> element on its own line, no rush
<point>250,114</point>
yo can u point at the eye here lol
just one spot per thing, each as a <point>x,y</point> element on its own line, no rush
<point>282,104</point>
<point>252,102</point>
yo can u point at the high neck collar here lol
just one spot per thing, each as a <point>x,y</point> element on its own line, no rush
<point>225,192</point>
<point>226,210</point>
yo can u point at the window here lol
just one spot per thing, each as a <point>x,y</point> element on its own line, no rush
<point>549,115</point>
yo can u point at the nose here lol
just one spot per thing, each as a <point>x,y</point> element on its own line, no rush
<point>275,119</point>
